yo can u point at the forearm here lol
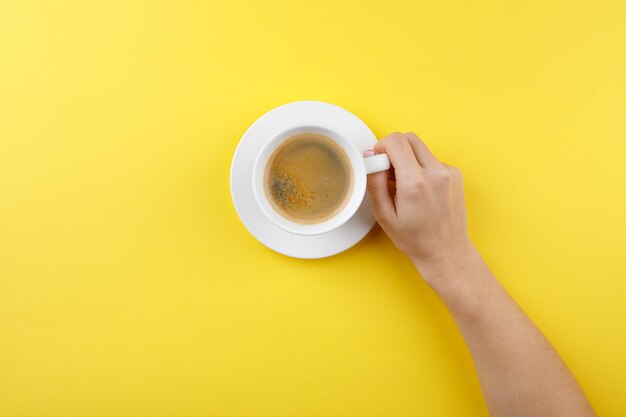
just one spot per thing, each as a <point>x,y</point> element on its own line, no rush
<point>519,371</point>
<point>422,208</point>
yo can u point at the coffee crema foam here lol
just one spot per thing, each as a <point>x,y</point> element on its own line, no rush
<point>308,178</point>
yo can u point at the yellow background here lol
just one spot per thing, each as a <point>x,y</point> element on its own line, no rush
<point>128,285</point>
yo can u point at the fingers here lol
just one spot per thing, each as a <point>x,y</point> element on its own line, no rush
<point>414,169</point>
<point>422,154</point>
<point>401,155</point>
<point>378,188</point>
<point>425,158</point>
<point>409,174</point>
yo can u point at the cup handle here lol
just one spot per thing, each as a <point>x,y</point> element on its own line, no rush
<point>376,163</point>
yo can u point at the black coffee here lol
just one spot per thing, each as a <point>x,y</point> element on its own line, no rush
<point>308,178</point>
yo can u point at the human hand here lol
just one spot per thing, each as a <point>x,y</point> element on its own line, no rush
<point>419,203</point>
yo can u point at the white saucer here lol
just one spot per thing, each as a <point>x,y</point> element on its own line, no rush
<point>300,113</point>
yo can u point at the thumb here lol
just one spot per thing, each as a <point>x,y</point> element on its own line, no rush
<point>378,188</point>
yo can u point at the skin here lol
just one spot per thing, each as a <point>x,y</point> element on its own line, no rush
<point>420,205</point>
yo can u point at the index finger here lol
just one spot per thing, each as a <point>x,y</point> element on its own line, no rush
<point>422,153</point>
<point>401,156</point>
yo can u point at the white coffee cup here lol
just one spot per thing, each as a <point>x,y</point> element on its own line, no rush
<point>361,166</point>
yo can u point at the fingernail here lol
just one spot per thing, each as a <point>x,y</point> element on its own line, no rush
<point>368,152</point>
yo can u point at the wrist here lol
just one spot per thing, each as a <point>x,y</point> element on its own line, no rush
<point>446,269</point>
<point>444,261</point>
<point>461,279</point>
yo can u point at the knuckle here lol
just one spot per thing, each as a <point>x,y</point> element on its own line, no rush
<point>411,186</point>
<point>382,217</point>
<point>375,188</point>
<point>456,173</point>
<point>383,214</point>
<point>442,174</point>
<point>394,135</point>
